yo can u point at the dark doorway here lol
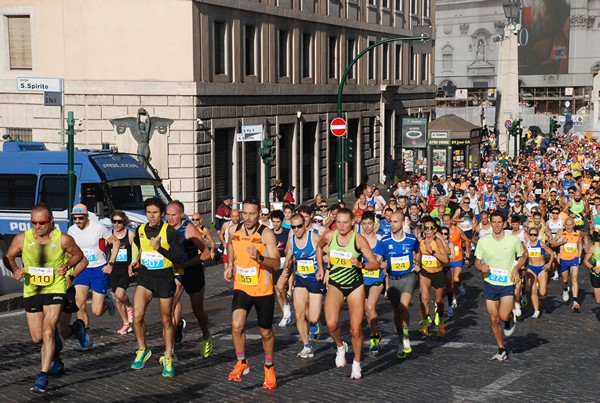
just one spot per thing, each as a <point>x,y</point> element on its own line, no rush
<point>308,166</point>
<point>223,162</point>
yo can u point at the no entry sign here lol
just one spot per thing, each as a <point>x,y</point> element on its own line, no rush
<point>338,127</point>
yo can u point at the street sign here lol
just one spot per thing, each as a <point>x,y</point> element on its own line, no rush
<point>508,124</point>
<point>53,99</point>
<point>37,84</point>
<point>251,133</point>
<point>338,127</point>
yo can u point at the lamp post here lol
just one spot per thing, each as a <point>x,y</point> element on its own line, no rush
<point>507,85</point>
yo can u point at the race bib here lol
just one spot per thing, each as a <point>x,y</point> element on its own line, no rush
<point>305,267</point>
<point>122,255</point>
<point>41,275</point>
<point>534,252</point>
<point>429,261</point>
<point>153,260</point>
<point>578,221</point>
<point>400,263</point>
<point>370,273</point>
<point>498,275</point>
<point>90,255</point>
<point>570,247</point>
<point>247,275</point>
<point>465,225</point>
<point>597,228</point>
<point>538,191</point>
<point>340,258</point>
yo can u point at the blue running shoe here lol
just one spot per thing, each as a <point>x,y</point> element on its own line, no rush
<point>314,331</point>
<point>57,367</point>
<point>40,385</point>
<point>79,331</point>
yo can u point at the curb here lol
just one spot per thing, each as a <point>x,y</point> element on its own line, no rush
<point>11,302</point>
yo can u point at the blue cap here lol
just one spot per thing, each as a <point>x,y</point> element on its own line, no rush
<point>228,197</point>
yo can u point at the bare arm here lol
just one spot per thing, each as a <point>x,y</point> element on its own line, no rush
<point>365,248</point>
<point>15,249</point>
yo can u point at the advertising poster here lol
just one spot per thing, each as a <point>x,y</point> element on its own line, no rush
<point>414,132</point>
<point>544,37</point>
<point>439,158</point>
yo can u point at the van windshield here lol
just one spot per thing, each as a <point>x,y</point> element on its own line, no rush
<point>131,196</point>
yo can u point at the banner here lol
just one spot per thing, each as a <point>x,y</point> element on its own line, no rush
<point>414,132</point>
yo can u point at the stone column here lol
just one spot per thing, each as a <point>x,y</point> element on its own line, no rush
<point>507,90</point>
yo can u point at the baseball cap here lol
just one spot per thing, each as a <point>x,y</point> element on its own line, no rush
<point>228,197</point>
<point>264,210</point>
<point>317,218</point>
<point>80,209</point>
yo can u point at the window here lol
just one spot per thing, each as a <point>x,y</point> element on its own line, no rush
<point>413,65</point>
<point>447,61</point>
<point>398,62</point>
<point>372,61</point>
<point>17,192</point>
<point>413,6</point>
<point>425,8</point>
<point>424,68</point>
<point>19,42</point>
<point>283,44</point>
<point>385,3</point>
<point>54,190</point>
<point>250,50</point>
<point>386,62</point>
<point>307,61</point>
<point>19,133</point>
<point>398,6</point>
<point>332,59</point>
<point>351,54</point>
<point>219,47</point>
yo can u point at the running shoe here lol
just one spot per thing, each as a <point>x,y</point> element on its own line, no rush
<point>130,314</point>
<point>536,315</point>
<point>287,317</point>
<point>168,370</point>
<point>427,321</point>
<point>270,379</point>
<point>509,326</point>
<point>441,330</point>
<point>406,348</point>
<point>314,331</point>
<point>356,371</point>
<point>340,355</point>
<point>555,276</point>
<point>454,303</point>
<point>517,311</point>
<point>437,319</point>
<point>78,328</point>
<point>179,331</point>
<point>565,294</point>
<point>524,300</point>
<point>206,347</point>
<point>425,326</point>
<point>289,295</point>
<point>576,307</point>
<point>307,352</point>
<point>461,290</point>
<point>500,356</point>
<point>126,328</point>
<point>375,343</point>
<point>56,368</point>
<point>450,312</point>
<point>109,301</point>
<point>401,354</point>
<point>141,356</point>
<point>240,368</point>
<point>40,385</point>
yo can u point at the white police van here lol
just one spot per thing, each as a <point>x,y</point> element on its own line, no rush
<point>105,181</point>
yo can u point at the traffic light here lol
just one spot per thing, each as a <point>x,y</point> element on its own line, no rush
<point>266,152</point>
<point>554,125</point>
<point>349,150</point>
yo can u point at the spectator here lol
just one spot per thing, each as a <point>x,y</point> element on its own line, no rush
<point>289,196</point>
<point>389,170</point>
<point>223,212</point>
<point>278,191</point>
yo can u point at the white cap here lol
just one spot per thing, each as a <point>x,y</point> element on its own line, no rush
<point>264,210</point>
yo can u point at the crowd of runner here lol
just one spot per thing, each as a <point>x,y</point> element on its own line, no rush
<point>520,223</point>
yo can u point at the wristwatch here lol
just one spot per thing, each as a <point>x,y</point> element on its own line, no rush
<point>111,264</point>
<point>71,277</point>
<point>260,259</point>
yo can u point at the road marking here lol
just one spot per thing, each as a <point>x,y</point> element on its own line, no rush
<point>492,391</point>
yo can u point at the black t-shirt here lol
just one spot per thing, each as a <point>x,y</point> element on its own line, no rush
<point>282,239</point>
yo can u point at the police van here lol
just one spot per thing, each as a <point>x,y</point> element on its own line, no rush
<point>105,181</point>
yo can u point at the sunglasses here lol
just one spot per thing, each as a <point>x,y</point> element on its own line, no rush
<point>297,226</point>
<point>445,233</point>
<point>78,218</point>
<point>264,215</point>
<point>555,212</point>
<point>533,234</point>
<point>193,219</point>
<point>121,221</point>
<point>39,222</point>
<point>428,227</point>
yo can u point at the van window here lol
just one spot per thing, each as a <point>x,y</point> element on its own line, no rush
<point>54,190</point>
<point>17,192</point>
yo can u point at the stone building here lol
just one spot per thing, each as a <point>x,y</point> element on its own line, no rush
<point>215,67</point>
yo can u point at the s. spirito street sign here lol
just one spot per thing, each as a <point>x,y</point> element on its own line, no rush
<point>37,84</point>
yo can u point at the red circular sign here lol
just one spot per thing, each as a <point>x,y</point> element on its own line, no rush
<point>338,127</point>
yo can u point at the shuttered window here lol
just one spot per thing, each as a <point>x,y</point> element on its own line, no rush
<point>19,42</point>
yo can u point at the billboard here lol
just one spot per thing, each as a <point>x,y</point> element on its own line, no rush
<point>544,37</point>
<point>414,132</point>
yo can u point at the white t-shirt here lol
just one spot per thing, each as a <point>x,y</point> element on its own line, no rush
<point>89,240</point>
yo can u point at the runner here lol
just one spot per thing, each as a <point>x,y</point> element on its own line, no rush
<point>309,288</point>
<point>592,262</point>
<point>344,281</point>
<point>570,242</point>
<point>206,234</point>
<point>253,257</point>
<point>92,237</point>
<point>43,248</point>
<point>189,275</point>
<point>160,251</point>
<point>457,237</point>
<point>495,259</point>
<point>224,233</point>
<point>537,268</point>
<point>281,235</point>
<point>434,254</point>
<point>373,280</point>
<point>401,255</point>
<point>119,276</point>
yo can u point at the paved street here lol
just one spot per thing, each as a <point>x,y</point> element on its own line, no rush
<point>553,358</point>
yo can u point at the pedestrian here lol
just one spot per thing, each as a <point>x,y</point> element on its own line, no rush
<point>278,190</point>
<point>389,170</point>
<point>223,212</point>
<point>289,196</point>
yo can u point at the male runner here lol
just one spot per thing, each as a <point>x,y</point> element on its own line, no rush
<point>570,242</point>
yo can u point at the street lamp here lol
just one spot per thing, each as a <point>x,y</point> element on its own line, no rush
<point>511,11</point>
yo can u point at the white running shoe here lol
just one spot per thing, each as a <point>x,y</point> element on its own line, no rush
<point>565,294</point>
<point>517,311</point>
<point>307,352</point>
<point>356,371</point>
<point>500,356</point>
<point>509,327</point>
<point>536,315</point>
<point>555,276</point>
<point>406,345</point>
<point>454,303</point>
<point>340,355</point>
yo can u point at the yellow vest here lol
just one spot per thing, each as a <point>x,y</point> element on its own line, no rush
<point>149,257</point>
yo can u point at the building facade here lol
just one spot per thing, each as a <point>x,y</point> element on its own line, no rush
<point>217,68</point>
